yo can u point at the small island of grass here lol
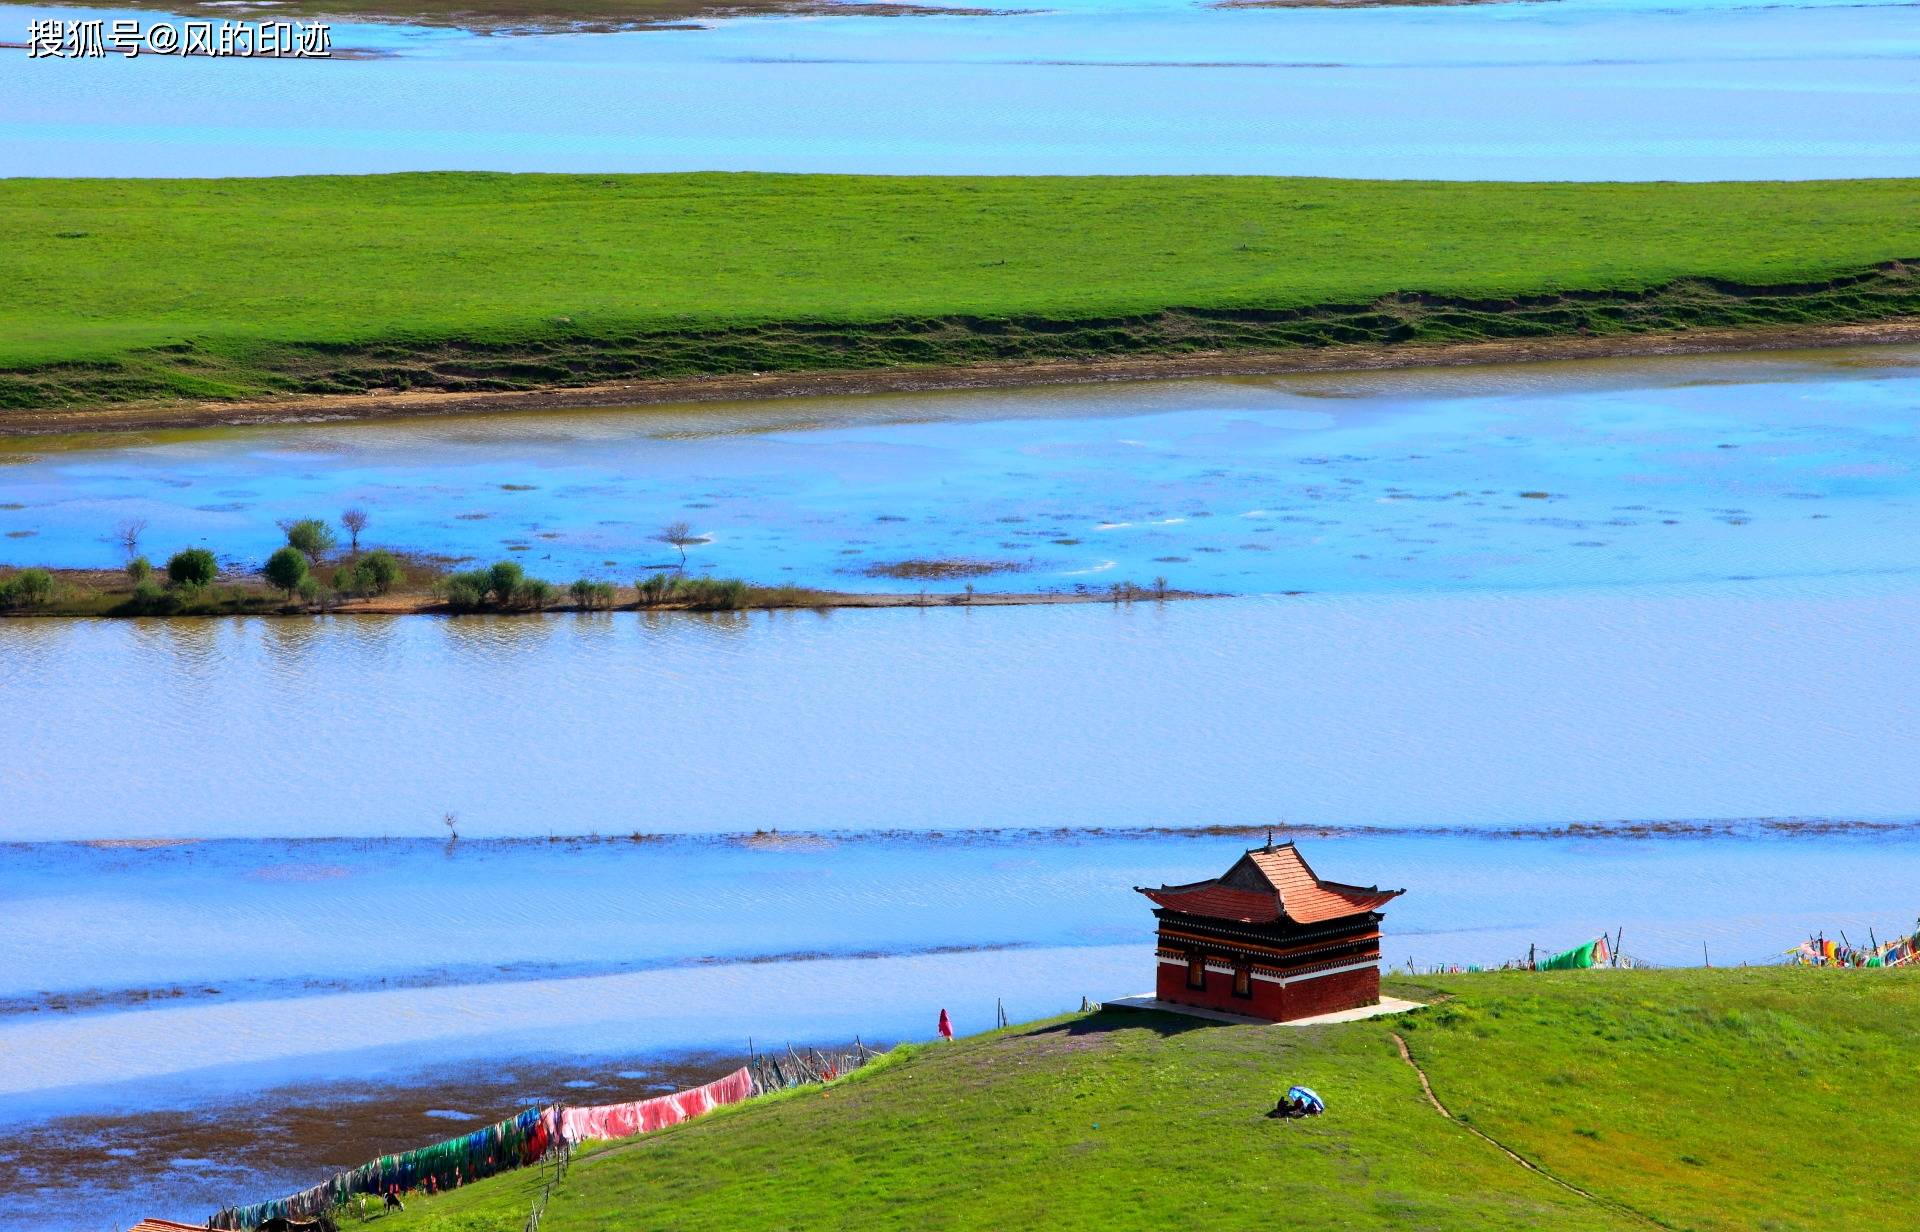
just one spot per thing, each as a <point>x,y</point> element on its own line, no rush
<point>311,574</point>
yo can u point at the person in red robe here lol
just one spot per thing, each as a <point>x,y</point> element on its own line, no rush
<point>946,1026</point>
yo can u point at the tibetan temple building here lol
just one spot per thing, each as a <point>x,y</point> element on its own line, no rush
<point>1268,938</point>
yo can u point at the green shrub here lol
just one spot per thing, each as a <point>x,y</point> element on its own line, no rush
<point>654,588</point>
<point>467,592</point>
<point>139,570</point>
<point>534,593</point>
<point>504,580</point>
<point>378,571</point>
<point>710,594</point>
<point>310,536</point>
<point>590,594</point>
<point>286,569</point>
<point>27,588</point>
<point>193,567</point>
<point>152,599</point>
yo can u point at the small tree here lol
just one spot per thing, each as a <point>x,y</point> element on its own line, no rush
<point>505,580</point>
<point>1159,588</point>
<point>680,535</point>
<point>354,521</point>
<point>139,570</point>
<point>312,537</point>
<point>127,535</point>
<point>193,567</point>
<point>286,569</point>
<point>378,571</point>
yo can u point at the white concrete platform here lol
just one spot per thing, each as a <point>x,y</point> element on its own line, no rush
<point>1147,1001</point>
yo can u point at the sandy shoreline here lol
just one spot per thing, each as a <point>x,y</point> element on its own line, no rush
<point>144,416</point>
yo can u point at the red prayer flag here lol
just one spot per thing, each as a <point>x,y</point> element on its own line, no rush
<point>946,1026</point>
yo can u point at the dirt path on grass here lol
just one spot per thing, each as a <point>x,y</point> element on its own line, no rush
<point>1406,1054</point>
<point>395,404</point>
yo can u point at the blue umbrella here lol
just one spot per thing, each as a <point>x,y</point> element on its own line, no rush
<point>1307,1096</point>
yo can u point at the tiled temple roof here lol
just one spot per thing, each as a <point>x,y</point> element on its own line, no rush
<point>1268,884</point>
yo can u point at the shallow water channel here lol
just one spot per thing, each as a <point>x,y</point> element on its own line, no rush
<point>1511,476</point>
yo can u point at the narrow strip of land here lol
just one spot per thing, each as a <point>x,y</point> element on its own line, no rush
<point>382,294</point>
<point>1013,374</point>
<point>429,588</point>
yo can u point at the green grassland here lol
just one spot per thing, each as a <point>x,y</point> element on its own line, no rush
<point>1743,1099</point>
<point>136,289</point>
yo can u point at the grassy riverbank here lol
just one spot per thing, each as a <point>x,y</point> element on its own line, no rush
<point>430,589</point>
<point>1710,1099</point>
<point>238,289</point>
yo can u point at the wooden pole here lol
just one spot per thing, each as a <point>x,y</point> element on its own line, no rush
<point>1703,954</point>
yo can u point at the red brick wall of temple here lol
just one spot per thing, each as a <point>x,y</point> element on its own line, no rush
<point>1299,999</point>
<point>1345,991</point>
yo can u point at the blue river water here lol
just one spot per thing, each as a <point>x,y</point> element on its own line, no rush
<point>1572,89</point>
<point>1671,594</point>
<point>1510,477</point>
<point>1706,616</point>
<point>222,983</point>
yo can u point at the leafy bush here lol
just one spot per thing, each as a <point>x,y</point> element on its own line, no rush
<point>590,594</point>
<point>193,567</point>
<point>534,593</point>
<point>286,569</point>
<point>151,599</point>
<point>701,594</point>
<point>378,571</point>
<point>711,594</point>
<point>139,570</point>
<point>504,580</point>
<point>310,536</point>
<point>27,588</point>
<point>467,592</point>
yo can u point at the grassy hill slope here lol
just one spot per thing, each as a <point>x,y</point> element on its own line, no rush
<point>1771,1099</point>
<point>124,289</point>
